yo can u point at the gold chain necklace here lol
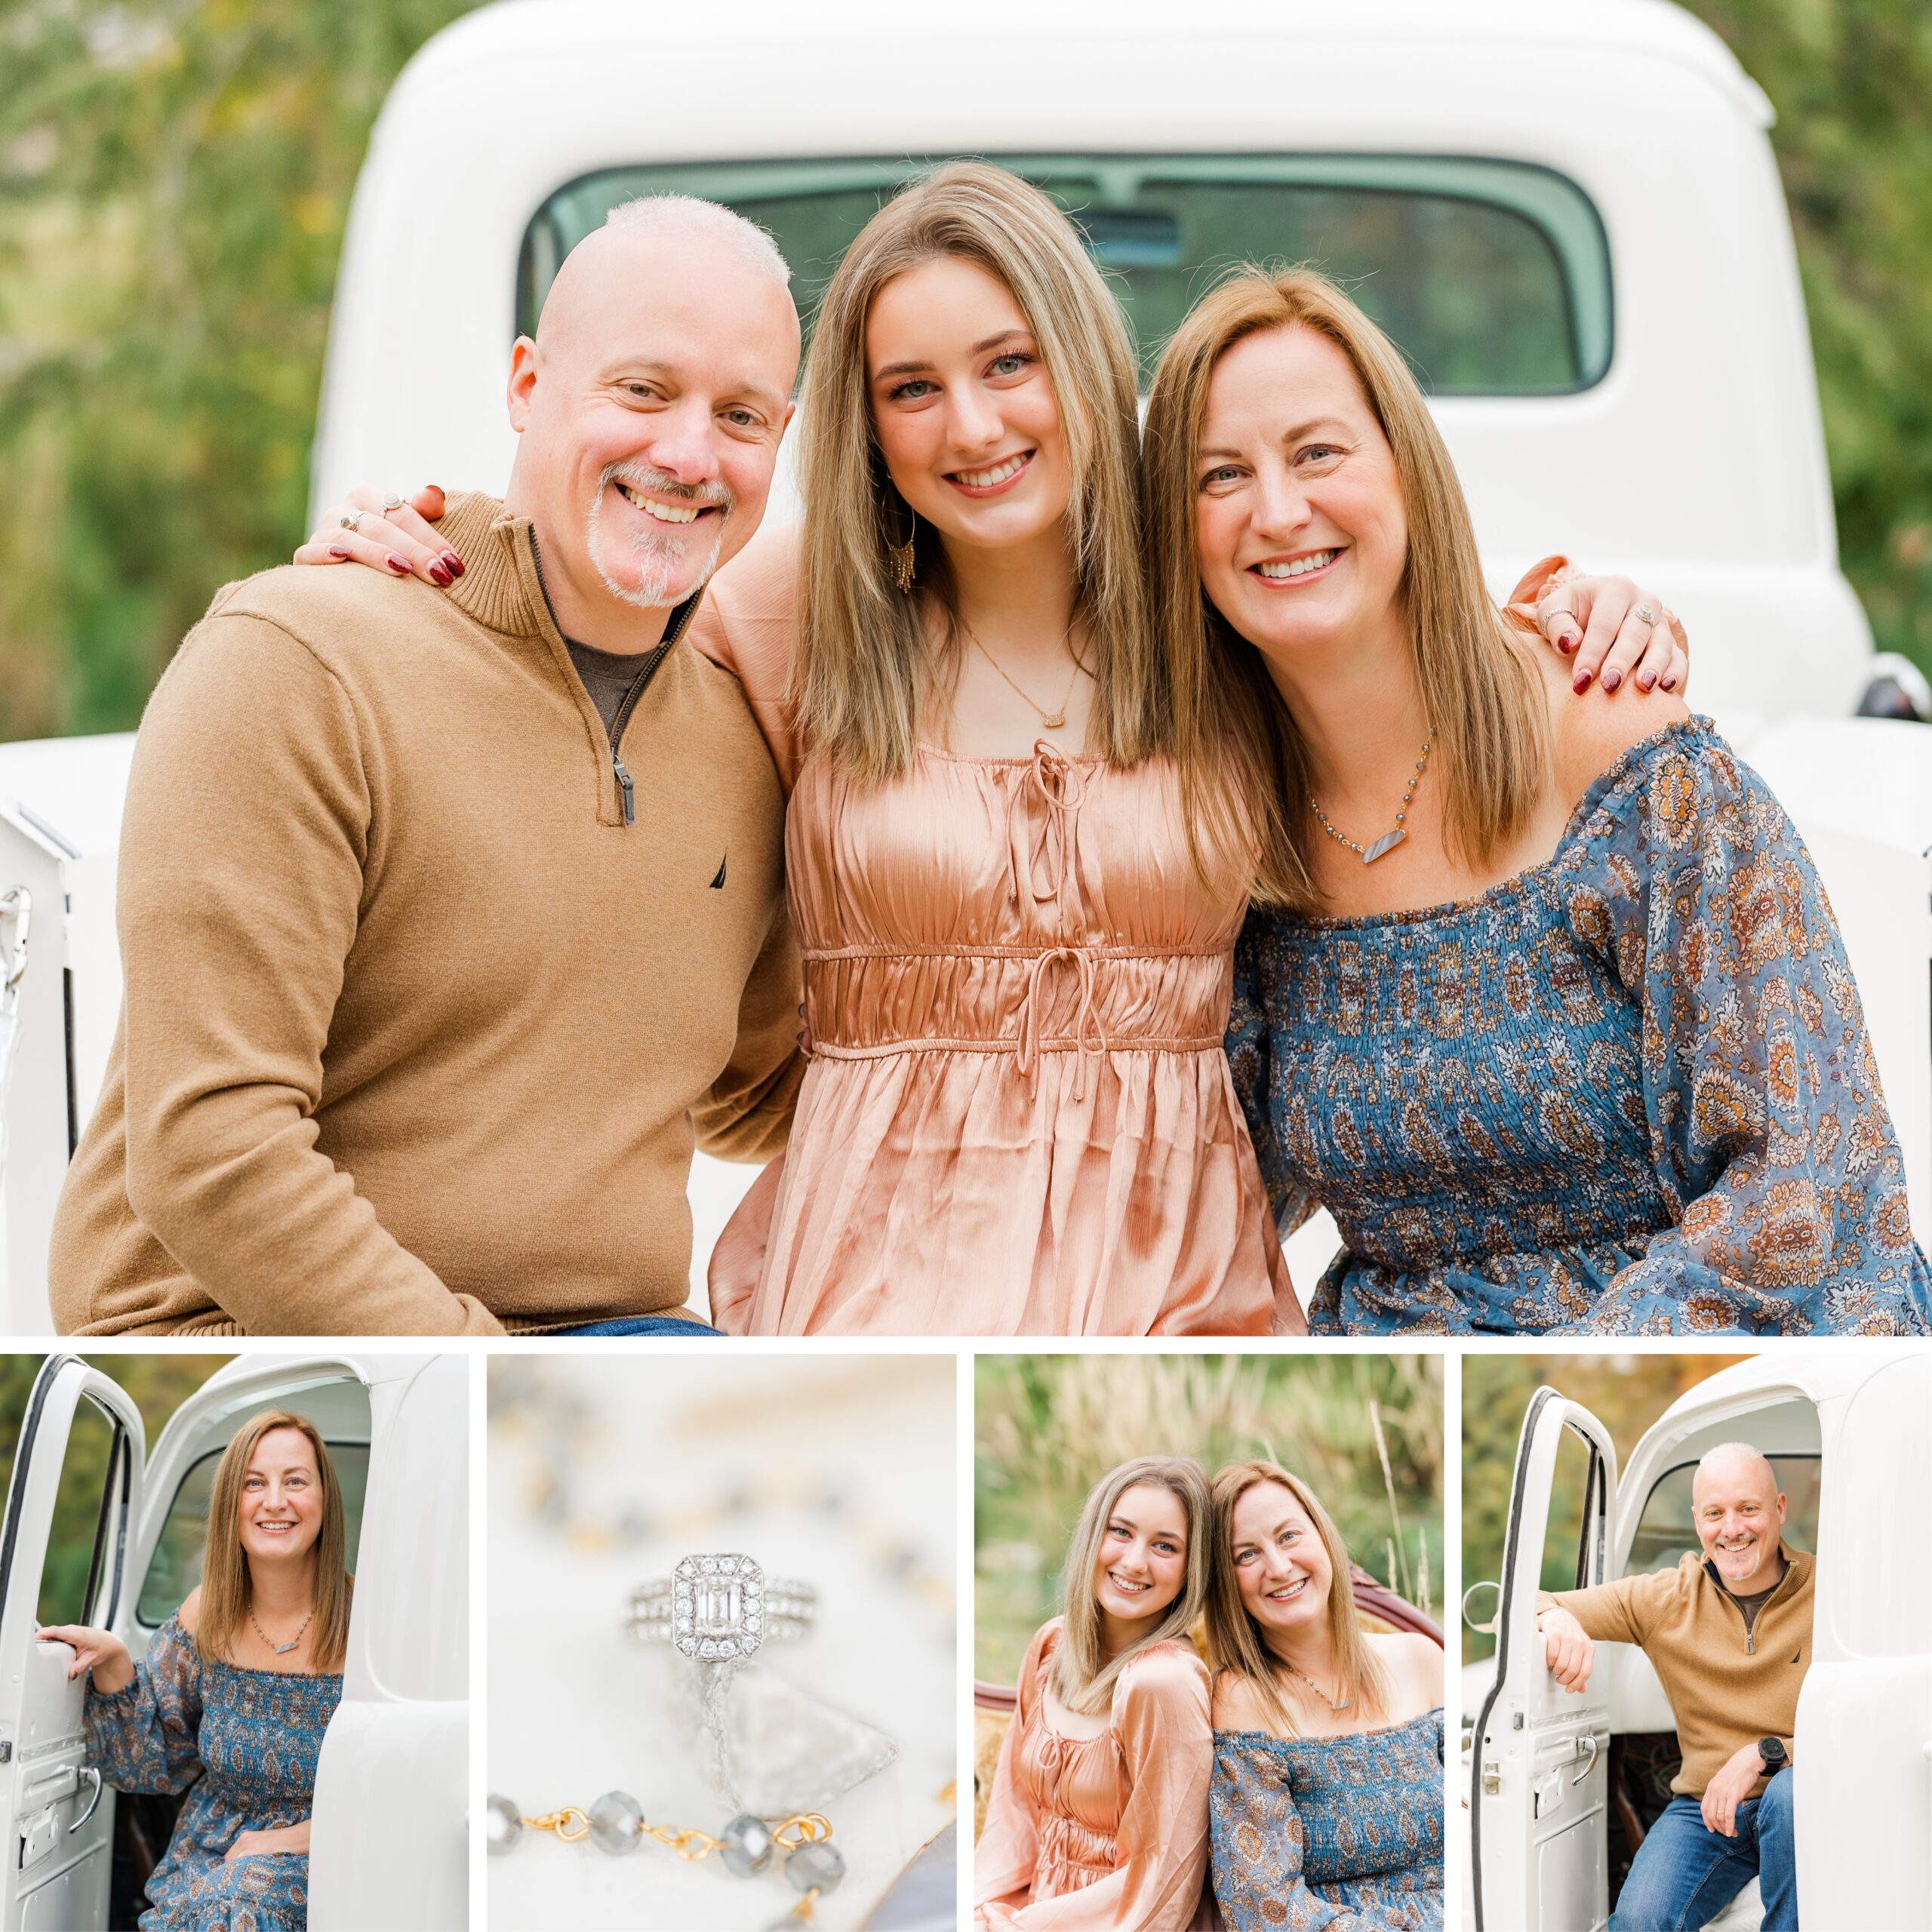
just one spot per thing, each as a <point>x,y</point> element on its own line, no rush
<point>1389,840</point>
<point>280,1650</point>
<point>1051,721</point>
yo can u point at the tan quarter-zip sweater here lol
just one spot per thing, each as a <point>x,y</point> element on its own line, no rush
<point>418,1033</point>
<point>1727,1688</point>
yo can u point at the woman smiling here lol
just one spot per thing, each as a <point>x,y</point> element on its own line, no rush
<point>1327,1797</point>
<point>1543,1001</point>
<point>1098,1817</point>
<point>230,1702</point>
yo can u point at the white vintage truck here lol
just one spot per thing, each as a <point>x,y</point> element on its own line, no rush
<point>1570,217</point>
<point>1558,1787</point>
<point>389,1844</point>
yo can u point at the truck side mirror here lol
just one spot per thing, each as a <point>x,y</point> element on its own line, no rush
<point>1469,1616</point>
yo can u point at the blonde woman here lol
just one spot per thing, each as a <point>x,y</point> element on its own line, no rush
<point>1543,1002</point>
<point>1098,1818</point>
<point>1018,1118</point>
<point>230,1702</point>
<point>1326,1803</point>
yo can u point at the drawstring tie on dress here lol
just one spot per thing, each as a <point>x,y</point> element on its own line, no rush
<point>1028,1056</point>
<point>1062,787</point>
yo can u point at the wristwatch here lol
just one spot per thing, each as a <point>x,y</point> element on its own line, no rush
<point>1770,1755</point>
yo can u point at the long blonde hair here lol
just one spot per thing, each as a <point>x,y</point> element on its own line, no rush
<point>226,1596</point>
<point>857,677</point>
<point>1235,1642</point>
<point>1245,770</point>
<point>1082,1679</point>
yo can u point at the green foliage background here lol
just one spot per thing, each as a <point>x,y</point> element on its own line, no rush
<point>1047,1427</point>
<point>1626,1393</point>
<point>174,175</point>
<point>159,1384</point>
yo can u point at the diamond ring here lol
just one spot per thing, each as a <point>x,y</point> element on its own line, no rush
<point>392,503</point>
<point>1649,615</point>
<point>353,521</point>
<point>718,1608</point>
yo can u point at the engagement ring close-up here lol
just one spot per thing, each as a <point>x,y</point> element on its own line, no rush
<point>719,1608</point>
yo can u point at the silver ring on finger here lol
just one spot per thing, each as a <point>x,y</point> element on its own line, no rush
<point>352,522</point>
<point>392,503</point>
<point>1649,615</point>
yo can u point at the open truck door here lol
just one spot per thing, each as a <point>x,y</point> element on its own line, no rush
<point>1539,1774</point>
<point>78,1467</point>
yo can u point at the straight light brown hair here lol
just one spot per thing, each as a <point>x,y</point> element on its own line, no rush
<point>1235,1645</point>
<point>1082,1679</point>
<point>1243,767</point>
<point>226,1597</point>
<point>857,678</point>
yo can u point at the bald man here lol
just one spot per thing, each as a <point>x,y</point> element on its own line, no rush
<point>450,923</point>
<point>1729,1634</point>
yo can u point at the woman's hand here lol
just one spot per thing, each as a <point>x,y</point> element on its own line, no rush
<point>1600,622</point>
<point>390,535</point>
<point>279,1842</point>
<point>98,1650</point>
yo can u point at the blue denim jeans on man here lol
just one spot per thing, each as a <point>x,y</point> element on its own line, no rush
<point>1684,1874</point>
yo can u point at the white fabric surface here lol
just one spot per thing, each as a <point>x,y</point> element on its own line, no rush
<point>576,1709</point>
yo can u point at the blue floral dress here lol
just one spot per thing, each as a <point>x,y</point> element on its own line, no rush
<point>1342,1834</point>
<point>246,1741</point>
<point>1628,1091</point>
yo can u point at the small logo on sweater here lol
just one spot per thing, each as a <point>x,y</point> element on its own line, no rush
<point>717,883</point>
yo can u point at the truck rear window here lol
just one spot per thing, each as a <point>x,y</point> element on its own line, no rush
<point>1493,276</point>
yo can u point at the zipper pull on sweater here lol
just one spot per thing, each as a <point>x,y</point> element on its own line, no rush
<point>629,790</point>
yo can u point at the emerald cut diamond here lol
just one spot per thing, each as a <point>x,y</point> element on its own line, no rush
<point>721,1618</point>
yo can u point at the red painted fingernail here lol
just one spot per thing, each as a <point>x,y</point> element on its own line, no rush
<point>337,550</point>
<point>1567,645</point>
<point>1582,683</point>
<point>1644,680</point>
<point>439,576</point>
<point>1670,683</point>
<point>1611,679</point>
<point>396,563</point>
<point>453,563</point>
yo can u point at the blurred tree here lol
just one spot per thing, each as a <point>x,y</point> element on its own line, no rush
<point>174,175</point>
<point>1365,1431</point>
<point>158,1384</point>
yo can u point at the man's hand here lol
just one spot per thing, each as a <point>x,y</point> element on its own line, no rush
<point>1730,1789</point>
<point>283,1838</point>
<point>1570,1655</point>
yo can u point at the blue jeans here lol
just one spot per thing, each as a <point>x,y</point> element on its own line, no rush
<point>1684,1874</point>
<point>642,1324</point>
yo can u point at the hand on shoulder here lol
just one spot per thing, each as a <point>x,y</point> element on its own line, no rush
<point>1590,733</point>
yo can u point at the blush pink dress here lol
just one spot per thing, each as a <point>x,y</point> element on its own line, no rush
<point>1018,1118</point>
<point>1107,1833</point>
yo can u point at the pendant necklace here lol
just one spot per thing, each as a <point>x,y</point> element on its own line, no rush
<point>1050,721</point>
<point>1389,840</point>
<point>1295,1670</point>
<point>281,1650</point>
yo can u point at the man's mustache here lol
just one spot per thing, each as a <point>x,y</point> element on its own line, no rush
<point>641,476</point>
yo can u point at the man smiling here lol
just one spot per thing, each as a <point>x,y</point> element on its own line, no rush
<point>1729,1633</point>
<point>449,922</point>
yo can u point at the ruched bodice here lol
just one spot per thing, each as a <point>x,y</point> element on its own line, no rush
<point>1114,1827</point>
<point>1019,1117</point>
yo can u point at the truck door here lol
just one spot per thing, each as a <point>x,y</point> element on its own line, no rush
<point>1539,1777</point>
<point>1861,1755</point>
<point>64,1558</point>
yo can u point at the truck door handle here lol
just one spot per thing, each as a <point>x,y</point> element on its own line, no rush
<point>94,1801</point>
<point>1586,1749</point>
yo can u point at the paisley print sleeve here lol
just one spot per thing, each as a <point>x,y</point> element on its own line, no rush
<point>145,1737</point>
<point>1258,1846</point>
<point>1768,1132</point>
<point>1252,1064</point>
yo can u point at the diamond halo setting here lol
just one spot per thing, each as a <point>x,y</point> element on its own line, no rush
<point>721,1608</point>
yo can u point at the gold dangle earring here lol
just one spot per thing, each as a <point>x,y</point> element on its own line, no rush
<point>899,556</point>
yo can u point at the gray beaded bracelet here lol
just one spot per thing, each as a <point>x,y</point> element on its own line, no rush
<point>616,1823</point>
